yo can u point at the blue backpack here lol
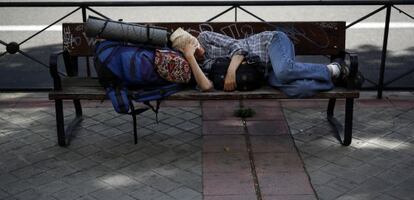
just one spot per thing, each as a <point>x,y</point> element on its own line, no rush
<point>127,73</point>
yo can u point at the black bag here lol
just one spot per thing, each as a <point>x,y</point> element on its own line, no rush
<point>249,76</point>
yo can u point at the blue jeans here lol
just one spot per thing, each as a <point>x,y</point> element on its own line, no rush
<point>295,79</point>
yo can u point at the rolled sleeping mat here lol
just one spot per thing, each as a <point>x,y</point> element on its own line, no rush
<point>121,31</point>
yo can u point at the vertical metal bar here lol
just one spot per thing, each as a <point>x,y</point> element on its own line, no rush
<point>384,53</point>
<point>88,68</point>
<point>349,110</point>
<point>235,13</point>
<point>134,119</point>
<point>83,13</point>
<point>60,123</point>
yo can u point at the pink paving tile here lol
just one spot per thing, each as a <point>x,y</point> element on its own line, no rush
<point>224,143</point>
<point>187,103</point>
<point>220,103</point>
<point>231,197</point>
<point>402,103</point>
<point>220,112</point>
<point>370,103</point>
<point>228,184</point>
<point>26,104</point>
<point>262,103</point>
<point>290,197</point>
<point>277,162</point>
<point>277,144</point>
<point>226,162</point>
<point>284,183</point>
<point>304,103</point>
<point>266,113</point>
<point>267,128</point>
<point>98,104</point>
<point>223,127</point>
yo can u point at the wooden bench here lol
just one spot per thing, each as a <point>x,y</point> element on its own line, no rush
<point>310,38</point>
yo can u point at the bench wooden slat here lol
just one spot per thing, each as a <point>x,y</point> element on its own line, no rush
<point>90,89</point>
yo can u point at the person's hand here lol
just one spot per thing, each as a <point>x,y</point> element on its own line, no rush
<point>190,49</point>
<point>230,81</point>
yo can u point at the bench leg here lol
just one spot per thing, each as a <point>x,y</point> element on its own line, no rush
<point>349,112</point>
<point>60,123</point>
<point>347,131</point>
<point>78,107</point>
<point>63,134</point>
<point>134,120</point>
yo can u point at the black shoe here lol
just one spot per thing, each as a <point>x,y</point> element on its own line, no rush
<point>357,82</point>
<point>342,79</point>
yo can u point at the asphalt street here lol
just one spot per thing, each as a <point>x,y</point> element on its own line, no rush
<point>366,38</point>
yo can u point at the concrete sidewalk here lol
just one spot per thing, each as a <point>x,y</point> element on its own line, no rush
<point>235,159</point>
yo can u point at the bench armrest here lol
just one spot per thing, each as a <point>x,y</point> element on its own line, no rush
<point>53,69</point>
<point>353,59</point>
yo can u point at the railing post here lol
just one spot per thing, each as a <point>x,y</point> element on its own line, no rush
<point>235,13</point>
<point>88,68</point>
<point>83,13</point>
<point>384,53</point>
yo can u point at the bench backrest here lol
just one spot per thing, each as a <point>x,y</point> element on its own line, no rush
<point>310,38</point>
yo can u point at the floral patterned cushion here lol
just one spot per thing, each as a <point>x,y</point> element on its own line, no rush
<point>171,66</point>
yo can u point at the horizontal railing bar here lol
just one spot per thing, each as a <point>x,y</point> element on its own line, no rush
<point>205,3</point>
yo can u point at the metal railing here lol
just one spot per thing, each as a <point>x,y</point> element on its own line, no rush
<point>14,47</point>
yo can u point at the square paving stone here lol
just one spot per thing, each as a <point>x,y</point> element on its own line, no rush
<point>283,183</point>
<point>32,195</point>
<point>326,192</point>
<point>403,190</point>
<point>107,194</point>
<point>226,162</point>
<point>17,186</point>
<point>147,193</point>
<point>228,184</point>
<point>157,181</point>
<point>52,187</point>
<point>224,143</point>
<point>184,193</point>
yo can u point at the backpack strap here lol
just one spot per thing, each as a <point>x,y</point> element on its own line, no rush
<point>102,29</point>
<point>132,69</point>
<point>155,109</point>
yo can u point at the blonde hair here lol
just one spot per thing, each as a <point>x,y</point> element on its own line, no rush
<point>180,38</point>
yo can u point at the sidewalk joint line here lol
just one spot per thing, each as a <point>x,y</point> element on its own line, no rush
<point>251,160</point>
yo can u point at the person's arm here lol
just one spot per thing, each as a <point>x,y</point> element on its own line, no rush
<point>202,81</point>
<point>230,80</point>
<point>231,45</point>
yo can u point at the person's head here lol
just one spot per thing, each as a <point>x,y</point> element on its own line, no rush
<point>180,38</point>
